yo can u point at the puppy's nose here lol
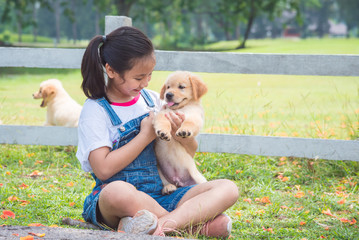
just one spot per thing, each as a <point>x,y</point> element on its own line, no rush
<point>169,95</point>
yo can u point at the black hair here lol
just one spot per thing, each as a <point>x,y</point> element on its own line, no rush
<point>120,49</point>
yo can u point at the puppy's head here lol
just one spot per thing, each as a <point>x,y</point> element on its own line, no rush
<point>182,87</point>
<point>47,91</point>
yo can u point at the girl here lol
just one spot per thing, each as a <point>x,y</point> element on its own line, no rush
<point>116,144</point>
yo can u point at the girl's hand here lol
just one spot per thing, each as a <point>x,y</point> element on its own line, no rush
<point>176,120</point>
<point>147,127</point>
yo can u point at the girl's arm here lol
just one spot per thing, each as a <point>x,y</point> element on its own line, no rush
<point>190,144</point>
<point>106,163</point>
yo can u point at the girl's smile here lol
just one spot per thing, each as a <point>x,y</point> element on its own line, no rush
<point>125,88</point>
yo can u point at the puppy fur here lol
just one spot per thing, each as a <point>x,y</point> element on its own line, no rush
<point>182,92</point>
<point>62,110</point>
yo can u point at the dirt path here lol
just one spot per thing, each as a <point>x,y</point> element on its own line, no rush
<point>15,232</point>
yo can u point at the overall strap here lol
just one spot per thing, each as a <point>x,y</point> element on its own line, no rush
<point>111,113</point>
<point>147,98</point>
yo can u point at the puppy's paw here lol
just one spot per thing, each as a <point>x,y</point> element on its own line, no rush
<point>168,189</point>
<point>163,135</point>
<point>184,133</point>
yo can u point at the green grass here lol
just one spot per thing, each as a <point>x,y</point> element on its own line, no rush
<point>300,46</point>
<point>276,105</point>
<point>280,198</point>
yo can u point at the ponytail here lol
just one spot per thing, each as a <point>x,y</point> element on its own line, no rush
<point>93,84</point>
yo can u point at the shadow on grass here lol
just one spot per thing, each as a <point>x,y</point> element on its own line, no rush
<point>23,70</point>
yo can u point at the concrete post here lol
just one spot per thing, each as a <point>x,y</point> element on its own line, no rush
<point>113,22</point>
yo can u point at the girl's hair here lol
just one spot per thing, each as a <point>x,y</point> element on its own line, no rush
<point>120,49</point>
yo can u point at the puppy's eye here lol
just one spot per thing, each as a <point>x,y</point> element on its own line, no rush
<point>181,87</point>
<point>168,87</point>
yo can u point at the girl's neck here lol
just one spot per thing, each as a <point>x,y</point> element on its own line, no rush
<point>118,97</point>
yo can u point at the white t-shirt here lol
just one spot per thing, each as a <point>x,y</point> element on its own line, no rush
<point>95,128</point>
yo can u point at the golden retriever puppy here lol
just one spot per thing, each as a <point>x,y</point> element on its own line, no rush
<point>62,110</point>
<point>182,92</point>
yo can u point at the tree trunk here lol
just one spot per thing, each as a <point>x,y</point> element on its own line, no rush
<point>34,19</point>
<point>124,7</point>
<point>57,20</point>
<point>252,16</point>
<point>97,21</point>
<point>19,25</point>
<point>74,23</point>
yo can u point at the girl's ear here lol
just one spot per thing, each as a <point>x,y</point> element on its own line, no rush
<point>109,70</point>
<point>199,88</point>
<point>162,93</point>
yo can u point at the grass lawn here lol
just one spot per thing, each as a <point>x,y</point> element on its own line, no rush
<point>289,45</point>
<point>280,198</point>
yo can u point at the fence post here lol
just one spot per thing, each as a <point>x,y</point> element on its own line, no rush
<point>113,22</point>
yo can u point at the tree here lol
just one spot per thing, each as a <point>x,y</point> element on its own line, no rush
<point>272,8</point>
<point>323,17</point>
<point>22,11</point>
<point>348,10</point>
<point>124,6</point>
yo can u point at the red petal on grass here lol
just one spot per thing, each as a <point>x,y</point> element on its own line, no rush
<point>265,200</point>
<point>6,214</point>
<point>268,229</point>
<point>23,186</point>
<point>247,200</point>
<point>344,220</point>
<point>36,225</point>
<point>299,194</point>
<point>35,173</point>
<point>24,202</point>
<point>13,198</point>
<point>353,222</point>
<point>328,212</point>
<point>70,184</point>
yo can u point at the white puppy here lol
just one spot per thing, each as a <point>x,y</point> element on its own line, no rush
<point>62,110</point>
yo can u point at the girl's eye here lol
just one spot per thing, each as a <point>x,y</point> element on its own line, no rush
<point>181,87</point>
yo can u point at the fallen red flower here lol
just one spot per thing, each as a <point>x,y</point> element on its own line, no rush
<point>6,214</point>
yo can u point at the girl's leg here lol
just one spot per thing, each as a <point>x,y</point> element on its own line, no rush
<point>120,199</point>
<point>200,204</point>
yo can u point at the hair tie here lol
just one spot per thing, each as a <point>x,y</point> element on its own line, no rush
<point>104,38</point>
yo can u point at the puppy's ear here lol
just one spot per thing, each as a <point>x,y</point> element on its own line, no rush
<point>162,93</point>
<point>199,88</point>
<point>47,93</point>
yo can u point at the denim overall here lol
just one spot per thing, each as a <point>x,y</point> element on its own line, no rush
<point>141,173</point>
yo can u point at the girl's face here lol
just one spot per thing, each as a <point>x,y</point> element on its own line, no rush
<point>123,89</point>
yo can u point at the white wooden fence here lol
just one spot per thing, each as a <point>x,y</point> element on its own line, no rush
<point>290,64</point>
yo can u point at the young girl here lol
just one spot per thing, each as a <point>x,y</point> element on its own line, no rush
<point>116,144</point>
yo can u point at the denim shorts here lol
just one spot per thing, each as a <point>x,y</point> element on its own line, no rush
<point>91,211</point>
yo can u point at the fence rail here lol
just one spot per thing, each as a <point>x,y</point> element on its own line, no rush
<point>220,143</point>
<point>212,62</point>
<point>244,63</point>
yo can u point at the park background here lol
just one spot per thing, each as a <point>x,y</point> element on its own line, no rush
<point>280,197</point>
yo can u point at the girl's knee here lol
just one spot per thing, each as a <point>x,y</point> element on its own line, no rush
<point>117,194</point>
<point>230,189</point>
